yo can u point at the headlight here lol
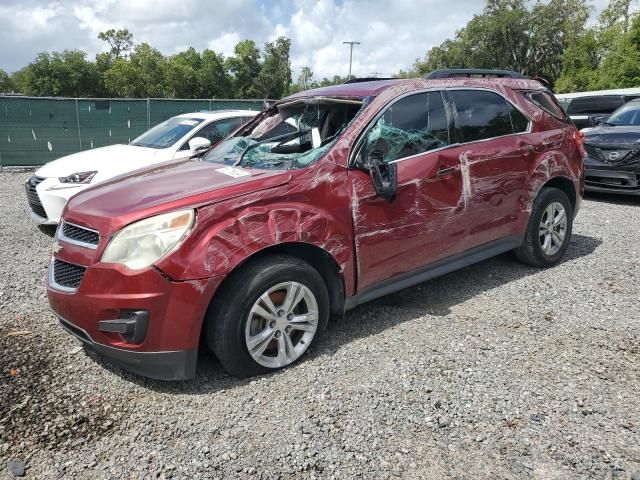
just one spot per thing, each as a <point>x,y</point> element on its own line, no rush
<point>145,242</point>
<point>78,177</point>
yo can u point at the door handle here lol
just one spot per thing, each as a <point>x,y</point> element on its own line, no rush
<point>525,148</point>
<point>444,171</point>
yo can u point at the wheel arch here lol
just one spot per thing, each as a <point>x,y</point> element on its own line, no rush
<point>564,184</point>
<point>321,260</point>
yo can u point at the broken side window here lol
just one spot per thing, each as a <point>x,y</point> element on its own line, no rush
<point>412,125</point>
<point>295,135</point>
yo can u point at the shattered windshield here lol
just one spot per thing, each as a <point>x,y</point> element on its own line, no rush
<point>295,135</point>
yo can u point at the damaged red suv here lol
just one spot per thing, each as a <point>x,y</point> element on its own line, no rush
<point>328,199</point>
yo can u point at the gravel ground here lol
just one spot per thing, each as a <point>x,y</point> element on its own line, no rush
<point>496,371</point>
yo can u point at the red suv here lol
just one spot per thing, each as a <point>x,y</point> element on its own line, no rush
<point>328,199</point>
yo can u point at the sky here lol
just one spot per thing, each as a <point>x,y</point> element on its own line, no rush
<point>392,33</point>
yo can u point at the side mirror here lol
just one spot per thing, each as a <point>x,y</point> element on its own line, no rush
<point>599,120</point>
<point>383,175</point>
<point>197,144</point>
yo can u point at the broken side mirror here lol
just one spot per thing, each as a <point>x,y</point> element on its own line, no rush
<point>383,175</point>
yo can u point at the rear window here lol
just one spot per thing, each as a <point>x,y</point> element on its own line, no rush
<point>547,103</point>
<point>598,104</point>
<point>483,115</point>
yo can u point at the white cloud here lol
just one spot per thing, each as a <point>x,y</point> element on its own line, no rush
<point>225,43</point>
<point>392,34</point>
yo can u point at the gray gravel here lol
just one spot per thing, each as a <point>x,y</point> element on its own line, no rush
<point>496,371</point>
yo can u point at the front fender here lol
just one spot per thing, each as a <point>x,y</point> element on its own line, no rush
<point>312,209</point>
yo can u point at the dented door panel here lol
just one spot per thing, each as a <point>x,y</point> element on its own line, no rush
<point>422,225</point>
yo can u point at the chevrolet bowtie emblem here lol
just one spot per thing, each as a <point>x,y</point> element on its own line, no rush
<point>56,248</point>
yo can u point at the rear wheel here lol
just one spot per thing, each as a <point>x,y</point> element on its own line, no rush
<point>267,315</point>
<point>549,231</point>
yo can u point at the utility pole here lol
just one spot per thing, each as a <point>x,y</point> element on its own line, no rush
<point>351,44</point>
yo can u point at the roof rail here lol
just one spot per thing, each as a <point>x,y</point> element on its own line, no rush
<point>367,79</point>
<point>472,72</point>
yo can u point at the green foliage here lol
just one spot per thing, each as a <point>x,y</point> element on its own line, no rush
<point>141,71</point>
<point>244,68</point>
<point>213,79</point>
<point>275,75</point>
<point>550,39</point>
<point>142,75</point>
<point>510,35</point>
<point>61,74</point>
<point>6,82</point>
<point>120,41</point>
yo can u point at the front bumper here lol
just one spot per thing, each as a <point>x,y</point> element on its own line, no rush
<point>175,365</point>
<point>107,294</point>
<point>612,178</point>
<point>46,205</point>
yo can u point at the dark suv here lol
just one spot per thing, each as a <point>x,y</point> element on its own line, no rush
<point>612,163</point>
<point>328,199</point>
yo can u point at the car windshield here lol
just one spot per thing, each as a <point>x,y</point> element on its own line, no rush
<point>167,133</point>
<point>296,134</point>
<point>626,115</point>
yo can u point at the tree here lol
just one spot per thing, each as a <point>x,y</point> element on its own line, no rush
<point>621,66</point>
<point>67,74</point>
<point>180,74</point>
<point>509,35</point>
<point>120,41</point>
<point>213,79</point>
<point>275,75</point>
<point>244,68</point>
<point>19,79</point>
<point>6,83</point>
<point>306,78</point>
<point>140,76</point>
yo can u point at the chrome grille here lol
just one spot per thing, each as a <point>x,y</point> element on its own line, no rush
<point>67,275</point>
<point>80,235</point>
<point>32,196</point>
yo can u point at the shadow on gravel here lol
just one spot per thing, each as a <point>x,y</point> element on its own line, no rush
<point>434,297</point>
<point>612,198</point>
<point>49,230</point>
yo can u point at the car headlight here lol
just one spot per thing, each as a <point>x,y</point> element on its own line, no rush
<point>145,242</point>
<point>73,180</point>
<point>78,177</point>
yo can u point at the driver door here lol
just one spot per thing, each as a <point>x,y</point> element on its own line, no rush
<point>424,223</point>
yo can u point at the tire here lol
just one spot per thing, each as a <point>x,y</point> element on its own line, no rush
<point>233,321</point>
<point>534,250</point>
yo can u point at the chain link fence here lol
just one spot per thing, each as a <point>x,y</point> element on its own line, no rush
<point>36,130</point>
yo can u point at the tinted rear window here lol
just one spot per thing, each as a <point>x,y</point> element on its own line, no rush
<point>598,104</point>
<point>481,114</point>
<point>546,102</point>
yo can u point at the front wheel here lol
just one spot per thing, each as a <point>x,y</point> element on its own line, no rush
<point>549,231</point>
<point>267,315</point>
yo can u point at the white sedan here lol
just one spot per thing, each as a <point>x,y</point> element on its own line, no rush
<point>49,189</point>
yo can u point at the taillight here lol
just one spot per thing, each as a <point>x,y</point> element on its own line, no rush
<point>578,137</point>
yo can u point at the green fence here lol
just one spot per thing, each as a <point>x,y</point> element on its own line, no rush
<point>36,130</point>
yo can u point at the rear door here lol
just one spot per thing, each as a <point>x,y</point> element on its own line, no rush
<point>425,221</point>
<point>496,157</point>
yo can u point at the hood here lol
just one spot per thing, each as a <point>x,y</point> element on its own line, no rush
<point>108,161</point>
<point>165,187</point>
<point>624,135</point>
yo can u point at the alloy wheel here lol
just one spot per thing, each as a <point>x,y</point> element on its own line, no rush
<point>553,228</point>
<point>281,324</point>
